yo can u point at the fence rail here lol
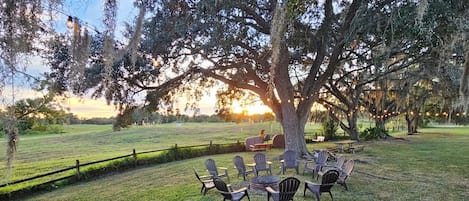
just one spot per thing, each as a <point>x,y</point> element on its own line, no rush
<point>78,165</point>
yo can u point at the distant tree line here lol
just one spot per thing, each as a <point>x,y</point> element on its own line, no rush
<point>43,115</point>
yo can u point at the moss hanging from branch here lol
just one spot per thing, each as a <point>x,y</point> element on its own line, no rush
<point>12,135</point>
<point>464,89</point>
<point>277,36</point>
<point>110,17</point>
<point>135,40</point>
<point>20,28</point>
<point>422,7</point>
<point>80,49</point>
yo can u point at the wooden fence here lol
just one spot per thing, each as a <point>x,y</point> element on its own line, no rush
<point>132,155</point>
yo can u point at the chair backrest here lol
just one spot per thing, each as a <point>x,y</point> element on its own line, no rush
<point>340,161</point>
<point>252,141</point>
<point>322,157</point>
<point>348,168</point>
<point>220,185</point>
<point>290,158</point>
<point>239,164</point>
<point>211,167</point>
<point>267,137</point>
<point>287,188</point>
<point>197,175</point>
<point>278,141</point>
<point>328,180</point>
<point>260,160</point>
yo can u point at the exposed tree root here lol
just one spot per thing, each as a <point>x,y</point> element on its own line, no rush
<point>395,138</point>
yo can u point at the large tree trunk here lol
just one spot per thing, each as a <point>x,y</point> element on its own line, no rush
<point>282,91</point>
<point>380,123</point>
<point>352,129</point>
<point>293,128</point>
<point>412,123</point>
<point>292,123</point>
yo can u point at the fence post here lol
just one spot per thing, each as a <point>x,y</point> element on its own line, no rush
<point>77,166</point>
<point>210,143</point>
<point>134,154</point>
<point>175,146</point>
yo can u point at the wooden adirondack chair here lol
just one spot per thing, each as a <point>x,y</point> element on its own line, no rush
<point>345,173</point>
<point>289,161</point>
<point>327,182</point>
<point>228,193</point>
<point>206,181</point>
<point>286,190</point>
<point>320,162</point>
<point>241,167</point>
<point>213,169</point>
<point>262,164</point>
<point>338,165</point>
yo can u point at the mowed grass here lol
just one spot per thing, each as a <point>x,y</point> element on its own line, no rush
<point>428,166</point>
<point>38,154</point>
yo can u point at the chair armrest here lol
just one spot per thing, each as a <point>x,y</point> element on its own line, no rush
<point>222,168</point>
<point>205,177</point>
<point>311,183</point>
<point>240,190</point>
<point>269,162</point>
<point>206,181</point>
<point>271,190</point>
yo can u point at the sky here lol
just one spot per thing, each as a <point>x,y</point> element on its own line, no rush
<point>91,12</point>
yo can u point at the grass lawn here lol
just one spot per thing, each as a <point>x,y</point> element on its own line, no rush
<point>428,166</point>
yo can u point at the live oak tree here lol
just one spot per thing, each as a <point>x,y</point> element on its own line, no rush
<point>399,39</point>
<point>282,52</point>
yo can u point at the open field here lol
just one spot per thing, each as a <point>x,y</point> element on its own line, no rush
<point>39,154</point>
<point>428,166</point>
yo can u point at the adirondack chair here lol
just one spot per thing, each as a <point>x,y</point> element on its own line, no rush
<point>327,182</point>
<point>213,170</point>
<point>286,190</point>
<point>206,181</point>
<point>262,164</point>
<point>241,167</point>
<point>320,162</point>
<point>345,173</point>
<point>228,193</point>
<point>289,161</point>
<point>338,165</point>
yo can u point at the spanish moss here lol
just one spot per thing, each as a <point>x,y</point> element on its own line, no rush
<point>110,17</point>
<point>277,31</point>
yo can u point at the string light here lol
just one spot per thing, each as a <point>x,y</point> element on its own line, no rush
<point>70,22</point>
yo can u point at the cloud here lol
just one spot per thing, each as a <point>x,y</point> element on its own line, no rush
<point>87,107</point>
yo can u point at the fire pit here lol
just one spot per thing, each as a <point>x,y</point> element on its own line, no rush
<point>261,182</point>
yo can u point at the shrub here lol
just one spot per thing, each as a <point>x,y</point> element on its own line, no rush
<point>38,126</point>
<point>373,133</point>
<point>56,129</point>
<point>329,128</point>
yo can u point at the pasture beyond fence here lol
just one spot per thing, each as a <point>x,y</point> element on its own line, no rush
<point>123,162</point>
